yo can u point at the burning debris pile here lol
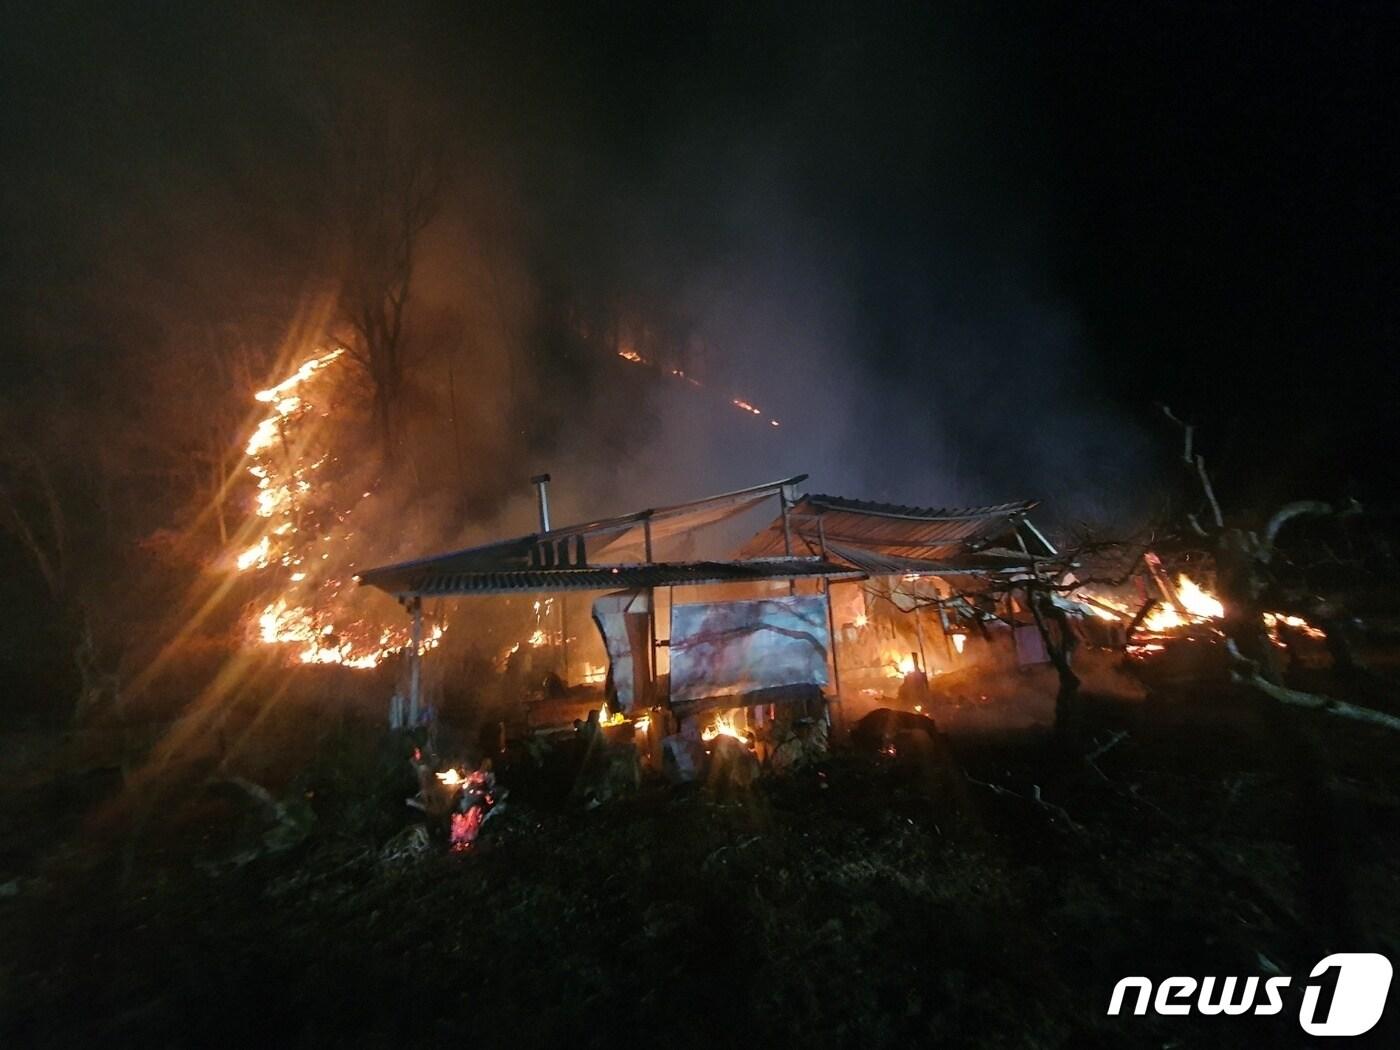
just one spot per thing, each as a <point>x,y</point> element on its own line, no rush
<point>1186,611</point>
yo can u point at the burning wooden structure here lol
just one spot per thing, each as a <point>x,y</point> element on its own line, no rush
<point>767,643</point>
<point>835,597</point>
<point>924,599</point>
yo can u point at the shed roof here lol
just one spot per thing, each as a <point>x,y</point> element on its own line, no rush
<point>874,534</point>
<point>831,536</point>
<point>433,579</point>
<point>575,547</point>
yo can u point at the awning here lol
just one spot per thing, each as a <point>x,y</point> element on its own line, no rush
<point>584,545</point>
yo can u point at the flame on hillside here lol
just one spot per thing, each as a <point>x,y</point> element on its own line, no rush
<point>629,353</point>
<point>298,548</point>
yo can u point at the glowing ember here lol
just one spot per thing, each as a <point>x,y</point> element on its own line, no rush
<point>1273,622</point>
<point>542,634</point>
<point>628,353</point>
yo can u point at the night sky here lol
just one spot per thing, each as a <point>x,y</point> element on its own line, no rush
<point>960,252</point>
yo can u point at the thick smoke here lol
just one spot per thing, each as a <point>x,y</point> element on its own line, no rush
<point>826,223</point>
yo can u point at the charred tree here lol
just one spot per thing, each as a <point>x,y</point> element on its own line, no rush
<point>1248,563</point>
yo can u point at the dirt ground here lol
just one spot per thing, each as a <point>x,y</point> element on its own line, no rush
<point>985,892</point>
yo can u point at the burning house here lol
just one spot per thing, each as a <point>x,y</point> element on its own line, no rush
<point>678,637</point>
<point>926,600</point>
<point>833,601</point>
<point>831,607</point>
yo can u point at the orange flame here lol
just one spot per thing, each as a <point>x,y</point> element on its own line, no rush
<point>301,615</point>
<point>1197,606</point>
<point>723,724</point>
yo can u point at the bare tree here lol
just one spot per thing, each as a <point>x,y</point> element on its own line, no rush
<point>33,512</point>
<point>387,190</point>
<point>200,390</point>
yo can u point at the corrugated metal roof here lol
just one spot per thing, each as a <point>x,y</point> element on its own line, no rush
<point>981,563</point>
<point>894,530</point>
<point>894,510</point>
<point>425,579</point>
<point>865,536</point>
<point>576,546</point>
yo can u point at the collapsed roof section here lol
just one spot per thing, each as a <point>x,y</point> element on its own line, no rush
<point>884,539</point>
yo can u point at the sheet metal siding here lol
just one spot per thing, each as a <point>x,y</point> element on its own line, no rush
<point>741,648</point>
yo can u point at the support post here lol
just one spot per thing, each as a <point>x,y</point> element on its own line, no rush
<point>835,667</point>
<point>651,618</point>
<point>831,627</point>
<point>415,667</point>
<point>919,626</point>
<point>787,535</point>
<point>564,633</point>
<point>787,527</point>
<point>670,632</point>
<point>541,483</point>
<point>948,649</point>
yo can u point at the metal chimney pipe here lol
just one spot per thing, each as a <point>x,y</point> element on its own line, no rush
<point>541,483</point>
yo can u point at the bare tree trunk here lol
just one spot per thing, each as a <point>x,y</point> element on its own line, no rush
<point>389,192</point>
<point>220,486</point>
<point>384,412</point>
<point>1059,647</point>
